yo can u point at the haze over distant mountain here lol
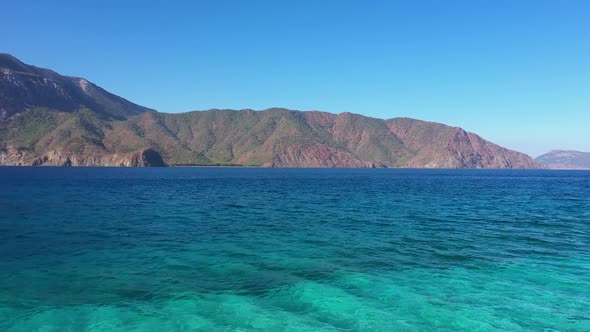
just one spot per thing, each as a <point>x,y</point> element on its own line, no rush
<point>50,119</point>
<point>565,159</point>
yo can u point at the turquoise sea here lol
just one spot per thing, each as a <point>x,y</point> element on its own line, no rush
<point>255,249</point>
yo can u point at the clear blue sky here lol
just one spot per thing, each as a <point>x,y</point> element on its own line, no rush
<point>515,72</point>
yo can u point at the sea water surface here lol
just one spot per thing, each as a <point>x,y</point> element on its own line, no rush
<point>254,249</point>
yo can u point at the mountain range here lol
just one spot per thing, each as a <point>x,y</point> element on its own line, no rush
<point>565,159</point>
<point>50,119</point>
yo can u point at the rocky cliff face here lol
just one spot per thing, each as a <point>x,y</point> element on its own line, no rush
<point>467,150</point>
<point>316,155</point>
<point>49,119</point>
<point>13,156</point>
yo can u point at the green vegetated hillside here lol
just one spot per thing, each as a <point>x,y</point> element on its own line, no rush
<point>49,119</point>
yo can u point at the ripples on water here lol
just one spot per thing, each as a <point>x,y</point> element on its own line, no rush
<point>222,249</point>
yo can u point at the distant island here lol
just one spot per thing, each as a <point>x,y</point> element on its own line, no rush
<point>55,120</point>
<point>565,159</point>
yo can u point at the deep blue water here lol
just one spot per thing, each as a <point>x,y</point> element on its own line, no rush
<point>224,249</point>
